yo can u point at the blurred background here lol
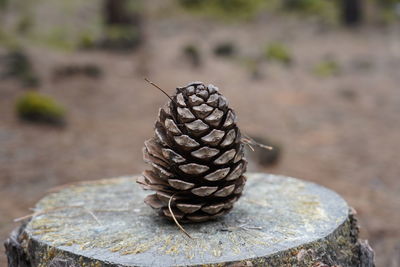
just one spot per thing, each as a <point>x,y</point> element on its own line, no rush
<point>317,79</point>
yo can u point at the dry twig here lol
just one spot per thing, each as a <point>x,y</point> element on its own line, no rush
<point>44,212</point>
<point>175,220</point>
<point>159,88</point>
<point>250,141</point>
<point>94,216</point>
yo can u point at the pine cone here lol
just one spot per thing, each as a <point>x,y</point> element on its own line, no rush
<point>196,156</point>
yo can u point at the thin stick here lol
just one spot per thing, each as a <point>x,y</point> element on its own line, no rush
<point>175,220</point>
<point>246,143</point>
<point>44,212</point>
<point>62,186</point>
<point>59,187</point>
<point>159,88</point>
<point>94,216</point>
<point>253,227</point>
<point>249,141</point>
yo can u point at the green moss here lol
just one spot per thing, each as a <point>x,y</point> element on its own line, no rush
<point>387,3</point>
<point>387,16</point>
<point>24,24</point>
<point>121,37</point>
<point>86,41</point>
<point>227,9</point>
<point>36,107</point>
<point>278,52</point>
<point>327,11</point>
<point>191,3</point>
<point>58,38</point>
<point>326,68</point>
<point>3,3</point>
<point>8,40</point>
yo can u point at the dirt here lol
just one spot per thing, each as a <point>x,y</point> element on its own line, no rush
<point>340,131</point>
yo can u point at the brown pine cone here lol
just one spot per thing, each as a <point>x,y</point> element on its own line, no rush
<point>196,156</point>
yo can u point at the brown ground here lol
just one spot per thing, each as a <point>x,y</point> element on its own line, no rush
<point>341,131</point>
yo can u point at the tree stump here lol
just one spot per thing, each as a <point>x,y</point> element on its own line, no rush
<point>279,221</point>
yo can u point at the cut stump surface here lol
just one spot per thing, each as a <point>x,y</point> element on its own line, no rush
<point>279,221</point>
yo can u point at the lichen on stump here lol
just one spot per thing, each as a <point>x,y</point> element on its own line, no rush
<point>279,221</point>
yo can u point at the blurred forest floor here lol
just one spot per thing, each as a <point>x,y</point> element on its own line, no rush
<point>338,129</point>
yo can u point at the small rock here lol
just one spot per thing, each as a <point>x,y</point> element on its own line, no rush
<point>348,94</point>
<point>226,49</point>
